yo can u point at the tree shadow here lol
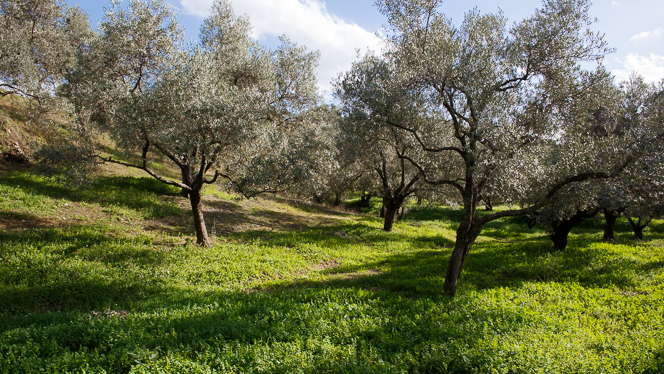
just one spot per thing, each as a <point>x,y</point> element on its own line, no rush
<point>14,221</point>
<point>139,194</point>
<point>379,311</point>
<point>491,265</point>
<point>75,268</point>
<point>434,213</point>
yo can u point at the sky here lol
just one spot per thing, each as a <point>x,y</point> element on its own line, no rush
<point>341,28</point>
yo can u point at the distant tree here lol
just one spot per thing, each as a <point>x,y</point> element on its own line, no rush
<point>626,113</point>
<point>209,109</point>
<point>39,44</point>
<point>499,104</point>
<point>642,194</point>
<point>570,207</point>
<point>299,161</point>
<point>369,99</point>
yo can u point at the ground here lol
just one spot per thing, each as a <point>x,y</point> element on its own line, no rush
<point>105,278</point>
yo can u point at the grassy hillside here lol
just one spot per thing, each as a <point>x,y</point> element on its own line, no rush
<point>104,278</point>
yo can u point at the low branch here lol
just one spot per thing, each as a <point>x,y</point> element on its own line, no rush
<point>214,178</point>
<point>448,182</point>
<point>147,170</point>
<point>552,192</point>
<point>419,140</point>
<point>239,188</point>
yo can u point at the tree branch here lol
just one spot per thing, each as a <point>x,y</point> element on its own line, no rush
<point>448,182</point>
<point>147,170</point>
<point>419,140</point>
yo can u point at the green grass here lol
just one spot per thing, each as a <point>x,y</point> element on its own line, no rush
<point>103,279</point>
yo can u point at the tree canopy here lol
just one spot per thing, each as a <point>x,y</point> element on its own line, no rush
<point>480,112</point>
<point>208,108</point>
<point>495,109</point>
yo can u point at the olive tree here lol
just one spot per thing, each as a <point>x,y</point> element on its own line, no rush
<point>627,113</point>
<point>642,193</point>
<point>39,43</point>
<point>369,98</point>
<point>498,101</point>
<point>209,109</point>
<point>300,161</point>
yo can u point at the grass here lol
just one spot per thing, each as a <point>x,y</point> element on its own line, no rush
<point>104,278</point>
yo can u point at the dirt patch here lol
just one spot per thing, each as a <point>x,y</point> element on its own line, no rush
<point>327,264</point>
<point>356,274</point>
<point>12,222</point>
<point>111,313</point>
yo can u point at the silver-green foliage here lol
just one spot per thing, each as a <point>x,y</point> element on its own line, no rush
<point>39,42</point>
<point>499,107</point>
<point>208,108</point>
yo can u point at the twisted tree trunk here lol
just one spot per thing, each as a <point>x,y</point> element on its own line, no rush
<point>392,206</point>
<point>562,228</point>
<point>202,237</point>
<point>611,216</point>
<point>638,227</point>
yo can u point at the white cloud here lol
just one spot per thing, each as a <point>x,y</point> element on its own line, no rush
<point>306,22</point>
<point>646,35</point>
<point>615,3</point>
<point>651,68</point>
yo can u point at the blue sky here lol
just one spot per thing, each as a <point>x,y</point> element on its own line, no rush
<point>338,28</point>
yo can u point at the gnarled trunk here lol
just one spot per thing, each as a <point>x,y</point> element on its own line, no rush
<point>638,227</point>
<point>562,228</point>
<point>466,234</point>
<point>365,199</point>
<point>611,216</point>
<point>186,179</point>
<point>391,208</point>
<point>199,221</point>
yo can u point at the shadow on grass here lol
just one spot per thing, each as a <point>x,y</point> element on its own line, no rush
<point>490,265</point>
<point>73,268</point>
<point>345,325</point>
<point>389,312</point>
<point>434,213</point>
<point>10,221</point>
<point>140,194</point>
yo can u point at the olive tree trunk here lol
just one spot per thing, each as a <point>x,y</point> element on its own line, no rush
<point>562,228</point>
<point>610,216</point>
<point>391,207</point>
<point>202,237</point>
<point>466,234</point>
<point>638,226</point>
<point>365,199</point>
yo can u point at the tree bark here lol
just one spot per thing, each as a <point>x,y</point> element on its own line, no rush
<point>466,234</point>
<point>199,221</point>
<point>391,209</point>
<point>186,179</point>
<point>638,227</point>
<point>562,228</point>
<point>611,216</point>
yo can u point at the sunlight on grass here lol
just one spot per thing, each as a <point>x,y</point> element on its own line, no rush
<point>97,279</point>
